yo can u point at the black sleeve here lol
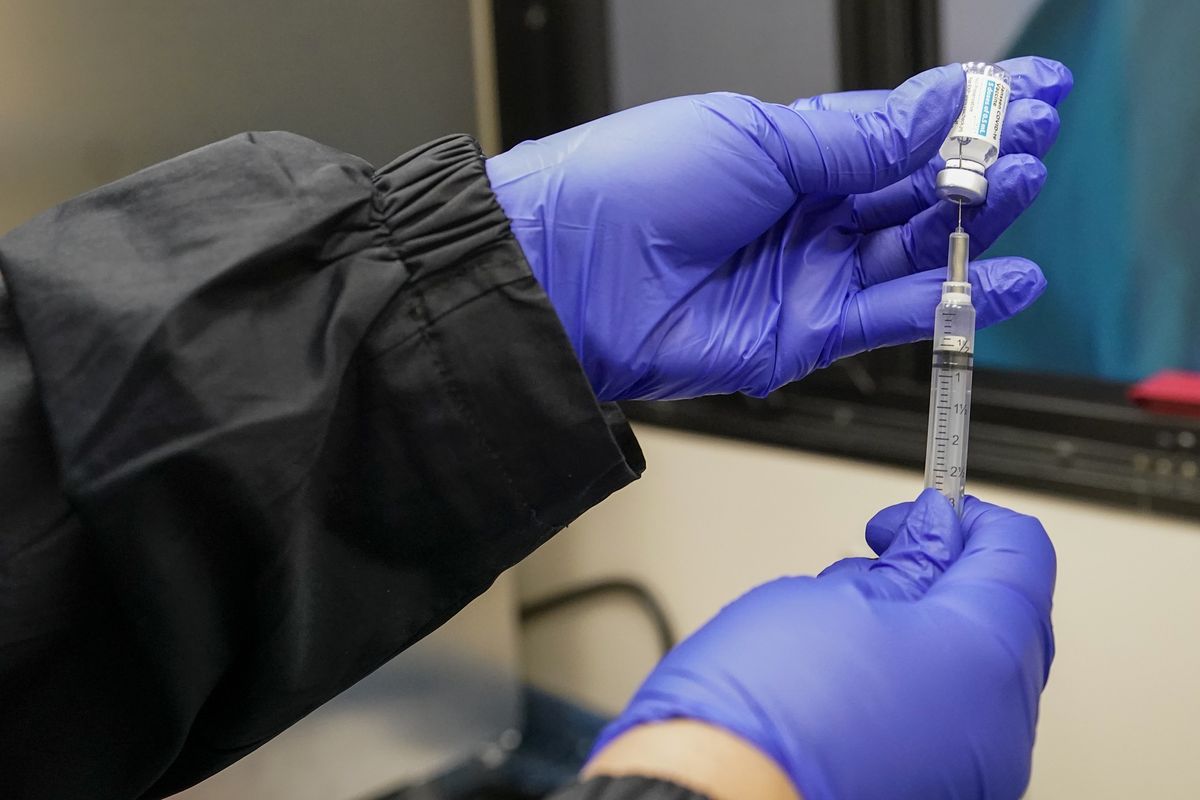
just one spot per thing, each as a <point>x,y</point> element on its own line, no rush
<point>271,416</point>
<point>628,788</point>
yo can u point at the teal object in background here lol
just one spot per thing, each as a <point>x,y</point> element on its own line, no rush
<point>1115,228</point>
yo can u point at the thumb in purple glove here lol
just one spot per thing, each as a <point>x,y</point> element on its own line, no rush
<point>916,675</point>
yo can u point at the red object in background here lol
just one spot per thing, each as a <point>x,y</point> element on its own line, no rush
<point>1169,392</point>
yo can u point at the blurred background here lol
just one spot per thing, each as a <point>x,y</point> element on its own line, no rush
<point>737,490</point>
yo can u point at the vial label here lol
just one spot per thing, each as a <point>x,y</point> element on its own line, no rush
<point>982,115</point>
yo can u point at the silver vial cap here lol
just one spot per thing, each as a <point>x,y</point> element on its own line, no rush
<point>962,185</point>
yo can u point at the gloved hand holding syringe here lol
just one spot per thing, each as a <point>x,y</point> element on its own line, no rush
<point>972,146</point>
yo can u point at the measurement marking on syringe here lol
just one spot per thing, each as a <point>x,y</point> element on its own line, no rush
<point>949,409</point>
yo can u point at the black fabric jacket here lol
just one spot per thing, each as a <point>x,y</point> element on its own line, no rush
<point>267,417</point>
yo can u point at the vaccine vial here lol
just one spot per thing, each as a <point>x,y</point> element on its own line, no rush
<point>974,142</point>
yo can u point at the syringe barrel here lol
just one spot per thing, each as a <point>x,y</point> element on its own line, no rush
<point>954,321</point>
<point>950,392</point>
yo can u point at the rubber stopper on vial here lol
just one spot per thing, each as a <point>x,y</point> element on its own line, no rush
<point>962,186</point>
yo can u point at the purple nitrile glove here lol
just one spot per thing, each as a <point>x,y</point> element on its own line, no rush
<point>717,243</point>
<point>913,676</point>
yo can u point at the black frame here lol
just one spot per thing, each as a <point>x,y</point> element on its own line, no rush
<point>552,65</point>
<point>1073,436</point>
<point>884,42</point>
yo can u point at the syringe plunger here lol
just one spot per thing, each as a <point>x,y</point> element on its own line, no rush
<point>960,252</point>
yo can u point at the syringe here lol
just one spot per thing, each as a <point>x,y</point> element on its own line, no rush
<point>972,146</point>
<point>953,364</point>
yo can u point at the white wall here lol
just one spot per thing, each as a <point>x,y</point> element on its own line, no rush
<point>93,91</point>
<point>774,49</point>
<point>713,518</point>
<point>982,30</point>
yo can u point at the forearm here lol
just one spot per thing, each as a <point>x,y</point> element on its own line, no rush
<point>303,411</point>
